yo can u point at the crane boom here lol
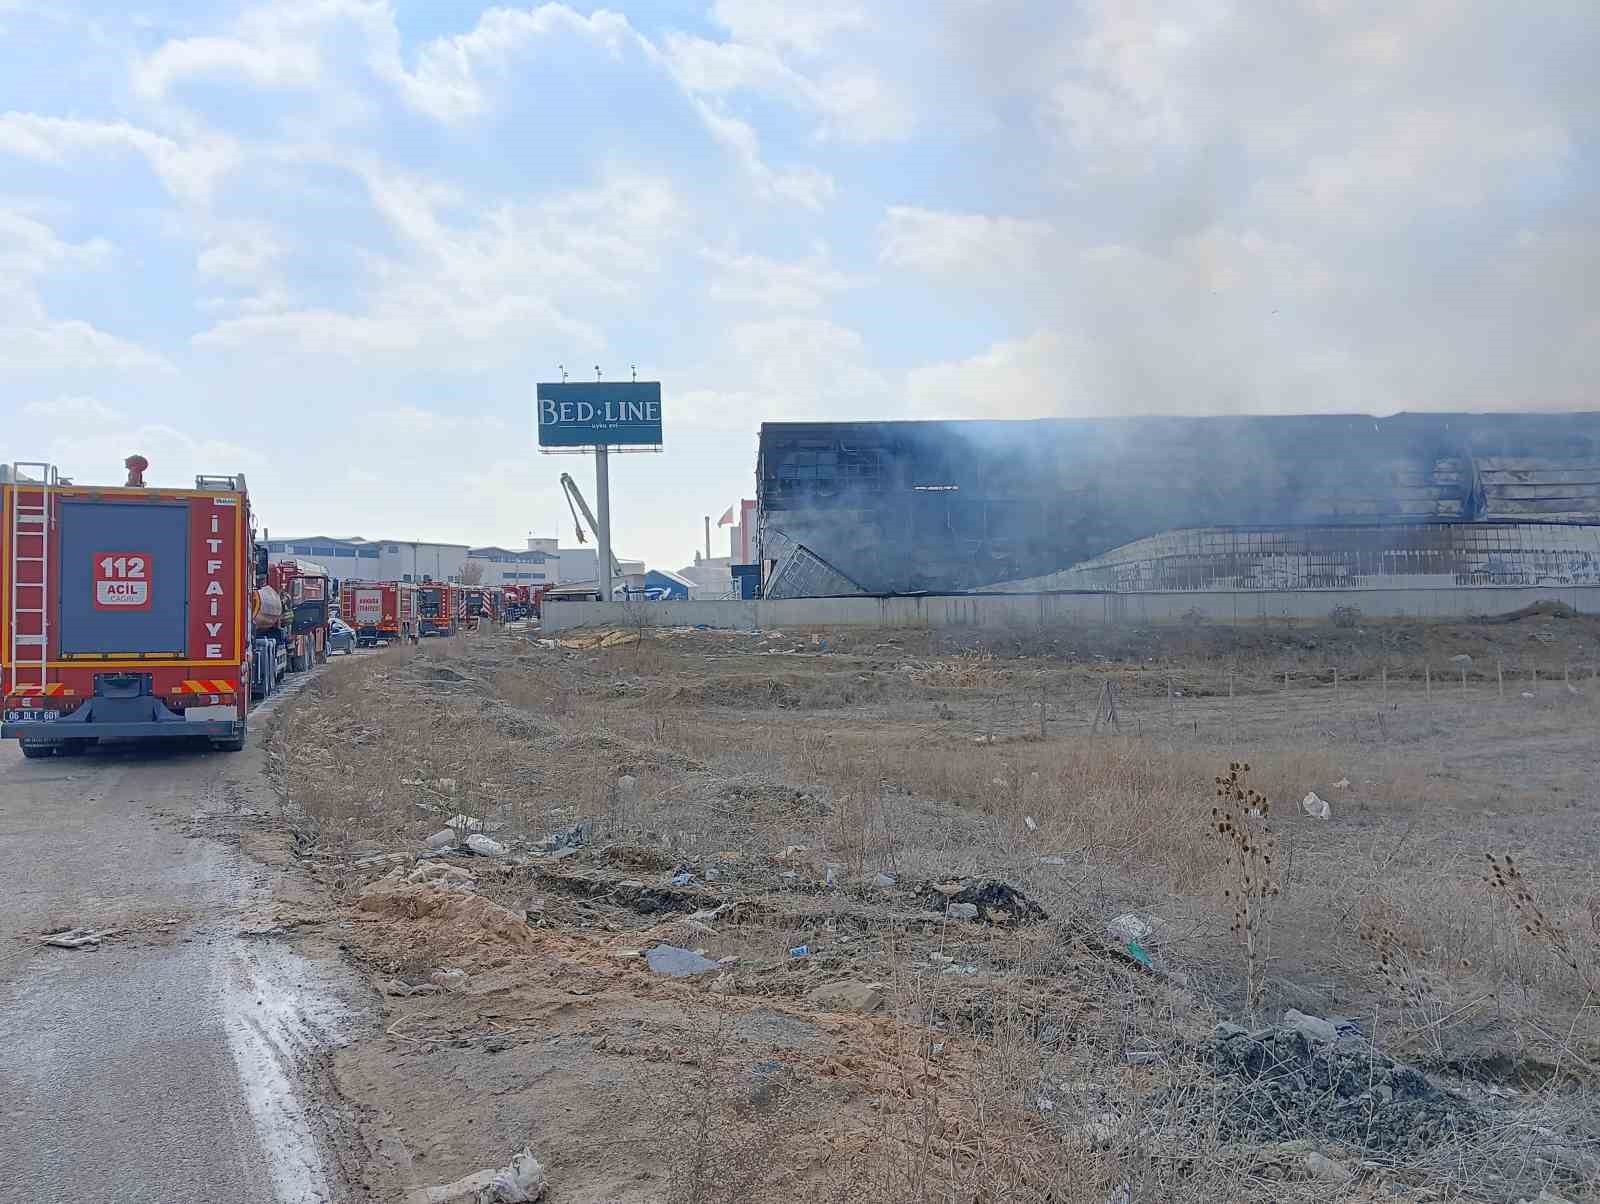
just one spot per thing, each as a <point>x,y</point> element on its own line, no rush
<point>575,498</point>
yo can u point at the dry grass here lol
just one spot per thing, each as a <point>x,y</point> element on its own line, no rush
<point>898,758</point>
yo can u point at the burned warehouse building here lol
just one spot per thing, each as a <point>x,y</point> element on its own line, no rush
<point>1177,503</point>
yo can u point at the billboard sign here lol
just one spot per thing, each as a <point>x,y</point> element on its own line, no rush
<point>600,414</point>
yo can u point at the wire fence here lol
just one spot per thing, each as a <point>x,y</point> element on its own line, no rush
<point>1150,700</point>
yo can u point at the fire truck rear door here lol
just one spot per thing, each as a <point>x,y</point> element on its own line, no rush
<point>124,574</point>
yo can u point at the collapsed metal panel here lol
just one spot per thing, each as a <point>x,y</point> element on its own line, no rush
<point>1394,556</point>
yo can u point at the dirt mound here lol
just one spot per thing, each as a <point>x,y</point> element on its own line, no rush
<point>1288,1085</point>
<point>1536,610</point>
<point>466,918</point>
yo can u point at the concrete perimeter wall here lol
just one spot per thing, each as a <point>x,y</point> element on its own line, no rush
<point>1043,610</point>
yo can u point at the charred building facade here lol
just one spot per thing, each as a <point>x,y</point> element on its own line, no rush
<point>901,507</point>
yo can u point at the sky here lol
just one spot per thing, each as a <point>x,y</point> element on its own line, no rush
<point>334,244</point>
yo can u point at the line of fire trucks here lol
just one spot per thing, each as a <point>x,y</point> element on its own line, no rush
<point>135,612</point>
<point>384,612</point>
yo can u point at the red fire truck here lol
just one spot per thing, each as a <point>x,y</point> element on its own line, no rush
<point>125,611</point>
<point>439,608</point>
<point>382,612</point>
<point>481,603</point>
<point>305,590</point>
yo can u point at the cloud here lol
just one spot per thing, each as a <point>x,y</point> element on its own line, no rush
<point>490,283</point>
<point>780,25</point>
<point>74,410</point>
<point>188,171</point>
<point>281,65</point>
<point>750,279</point>
<point>962,245</point>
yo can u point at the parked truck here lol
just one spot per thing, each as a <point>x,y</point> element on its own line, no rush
<point>439,608</point>
<point>382,612</point>
<point>126,612</point>
<point>306,591</point>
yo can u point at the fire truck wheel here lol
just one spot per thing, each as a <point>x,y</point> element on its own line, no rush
<point>33,749</point>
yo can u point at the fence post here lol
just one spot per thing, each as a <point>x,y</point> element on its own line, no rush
<point>1385,673</point>
<point>1427,682</point>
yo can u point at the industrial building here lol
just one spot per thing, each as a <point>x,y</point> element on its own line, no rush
<point>356,559</point>
<point>907,507</point>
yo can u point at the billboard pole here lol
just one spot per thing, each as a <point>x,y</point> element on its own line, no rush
<point>602,486</point>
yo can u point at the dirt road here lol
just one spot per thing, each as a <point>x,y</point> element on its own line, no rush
<point>162,1063</point>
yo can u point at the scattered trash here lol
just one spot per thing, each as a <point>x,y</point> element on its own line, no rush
<point>483,846</point>
<point>444,838</point>
<point>1141,1057</point>
<point>574,837</point>
<point>1527,694</point>
<point>1129,927</point>
<point>788,874</point>
<point>712,873</point>
<point>682,879</point>
<point>448,784</point>
<point>1140,955</point>
<point>998,902</point>
<point>679,963</point>
<point>1052,861</point>
<point>73,938</point>
<point>1045,1104</point>
<point>863,997</point>
<point>961,911</point>
<point>522,1182</point>
<point>464,823</point>
<point>964,969</point>
<point>1316,806</point>
<point>800,951</point>
<point>1342,784</point>
<point>1033,824</point>
<point>448,978</point>
<point>831,873</point>
<point>883,881</point>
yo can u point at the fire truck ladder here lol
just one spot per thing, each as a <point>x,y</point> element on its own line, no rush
<point>32,516</point>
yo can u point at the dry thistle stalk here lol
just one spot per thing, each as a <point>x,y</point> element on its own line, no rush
<point>1249,850</point>
<point>1507,881</point>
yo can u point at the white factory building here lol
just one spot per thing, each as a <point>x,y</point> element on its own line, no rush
<point>357,559</point>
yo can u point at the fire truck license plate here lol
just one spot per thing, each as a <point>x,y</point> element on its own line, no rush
<point>122,580</point>
<point>31,716</point>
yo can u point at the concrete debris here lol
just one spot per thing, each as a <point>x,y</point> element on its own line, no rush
<point>522,1182</point>
<point>1316,806</point>
<point>1312,1028</point>
<point>679,963</point>
<point>848,996</point>
<point>484,846</point>
<point>1320,1166</point>
<point>73,938</point>
<point>444,838</point>
<point>961,911</point>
